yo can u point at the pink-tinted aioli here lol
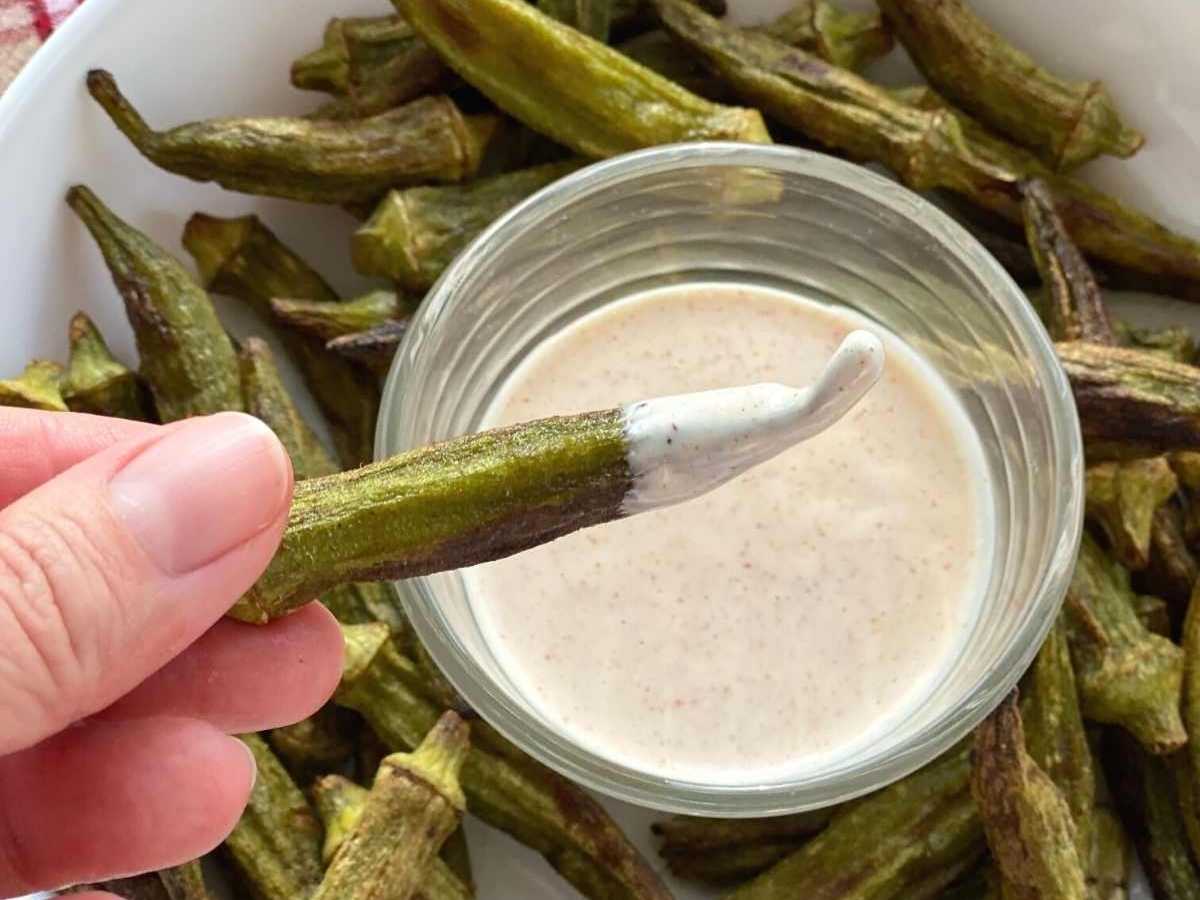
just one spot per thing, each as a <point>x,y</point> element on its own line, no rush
<point>778,621</point>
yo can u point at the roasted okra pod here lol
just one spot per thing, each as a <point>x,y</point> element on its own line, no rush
<point>95,382</point>
<point>37,387</point>
<point>326,319</point>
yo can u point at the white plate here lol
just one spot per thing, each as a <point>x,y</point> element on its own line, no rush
<point>183,61</point>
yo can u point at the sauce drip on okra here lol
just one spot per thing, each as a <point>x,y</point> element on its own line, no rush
<point>779,620</point>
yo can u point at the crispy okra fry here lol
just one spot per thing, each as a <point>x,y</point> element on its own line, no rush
<point>355,51</point>
<point>39,386</point>
<point>276,845</point>
<point>1133,397</point>
<point>846,39</point>
<point>1123,498</point>
<point>1173,569</point>
<point>185,882</point>
<point>517,57</point>
<point>1126,675</point>
<point>242,258</point>
<point>339,803</point>
<point>1077,311</point>
<point>414,234</point>
<point>940,149</point>
<point>314,160</point>
<point>408,75</point>
<point>414,804</point>
<point>885,845</point>
<point>1065,122</point>
<point>374,348</point>
<point>328,319</point>
<point>320,743</point>
<point>1029,826</point>
<point>95,382</point>
<point>187,358</point>
<point>1146,799</point>
<point>1055,735</point>
<point>504,787</point>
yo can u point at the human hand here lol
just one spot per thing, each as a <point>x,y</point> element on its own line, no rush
<point>121,547</point>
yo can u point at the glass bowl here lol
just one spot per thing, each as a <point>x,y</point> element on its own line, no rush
<point>780,218</point>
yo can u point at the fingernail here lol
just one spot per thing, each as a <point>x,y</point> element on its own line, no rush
<point>204,489</point>
<point>253,762</point>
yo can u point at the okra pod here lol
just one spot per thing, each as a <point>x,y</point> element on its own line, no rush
<point>1122,497</point>
<point>609,105</point>
<point>187,358</point>
<point>1133,397</point>
<point>339,802</point>
<point>883,846</point>
<point>1029,826</point>
<point>1111,858</point>
<point>942,148</point>
<point>185,882</point>
<point>1065,122</point>
<point>413,806</point>
<point>352,51</point>
<point>1174,343</point>
<point>1146,799</point>
<point>591,17</point>
<point>1190,757</point>
<point>409,75</point>
<point>1153,613</point>
<point>39,386</point>
<point>1077,311</point>
<point>727,866</point>
<point>314,160</point>
<point>374,348</point>
<point>276,845</point>
<point>846,39</point>
<point>414,234</point>
<point>697,834</point>
<point>1055,735</point>
<point>1126,675</point>
<point>326,319</point>
<point>504,787</point>
<point>241,258</point>
<point>95,382</point>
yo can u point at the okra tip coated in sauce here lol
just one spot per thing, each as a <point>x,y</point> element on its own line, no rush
<point>777,622</point>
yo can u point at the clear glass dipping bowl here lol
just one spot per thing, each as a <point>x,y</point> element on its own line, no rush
<point>786,219</point>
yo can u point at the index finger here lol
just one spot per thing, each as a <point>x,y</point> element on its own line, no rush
<point>35,446</point>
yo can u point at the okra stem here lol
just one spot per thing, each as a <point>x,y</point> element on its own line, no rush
<point>95,382</point>
<point>37,387</point>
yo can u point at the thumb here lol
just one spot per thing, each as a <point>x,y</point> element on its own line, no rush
<point>112,568</point>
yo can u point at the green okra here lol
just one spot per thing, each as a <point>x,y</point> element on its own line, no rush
<point>1146,799</point>
<point>1055,735</point>
<point>846,39</point>
<point>95,382</point>
<point>339,803</point>
<point>1133,397</point>
<point>881,847</point>
<point>1065,122</point>
<point>276,845</point>
<point>314,160</point>
<point>1123,497</point>
<point>727,866</point>
<point>185,882</point>
<point>405,77</point>
<point>320,743</point>
<point>1030,828</point>
<point>1190,757</point>
<point>414,234</point>
<point>1173,569</point>
<point>697,834</point>
<point>453,504</point>
<point>37,387</point>
<point>1077,311</point>
<point>632,17</point>
<point>1174,343</point>
<point>504,787</point>
<point>609,105</point>
<point>267,398</point>
<point>374,348</point>
<point>187,359</point>
<point>1126,675</point>
<point>352,50</point>
<point>242,258</point>
<point>939,148</point>
<point>327,319</point>
<point>414,804</point>
<point>1111,858</point>
<point>591,17</point>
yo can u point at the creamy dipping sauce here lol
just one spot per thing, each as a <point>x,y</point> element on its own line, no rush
<point>782,619</point>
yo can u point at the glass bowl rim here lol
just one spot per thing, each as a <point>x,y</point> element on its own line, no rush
<point>556,750</point>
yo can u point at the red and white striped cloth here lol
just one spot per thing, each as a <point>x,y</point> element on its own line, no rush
<point>24,26</point>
